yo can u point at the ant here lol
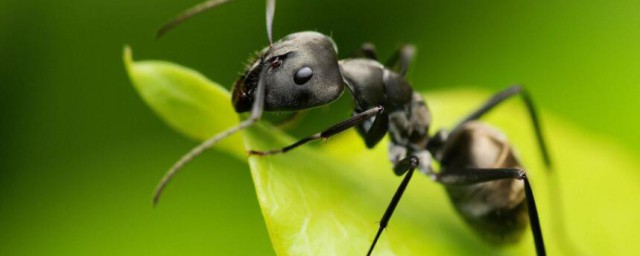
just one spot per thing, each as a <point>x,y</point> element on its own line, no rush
<point>478,168</point>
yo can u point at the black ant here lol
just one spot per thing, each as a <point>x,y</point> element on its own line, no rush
<point>479,170</point>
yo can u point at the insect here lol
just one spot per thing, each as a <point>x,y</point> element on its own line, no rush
<point>478,167</point>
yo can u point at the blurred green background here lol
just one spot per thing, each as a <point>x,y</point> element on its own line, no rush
<point>81,153</point>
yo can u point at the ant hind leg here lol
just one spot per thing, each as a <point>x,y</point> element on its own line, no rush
<point>478,175</point>
<point>501,97</point>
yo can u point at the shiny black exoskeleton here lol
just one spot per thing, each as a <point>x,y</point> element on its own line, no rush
<point>481,173</point>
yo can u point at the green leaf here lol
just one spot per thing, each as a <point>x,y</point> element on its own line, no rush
<point>185,99</point>
<point>327,200</point>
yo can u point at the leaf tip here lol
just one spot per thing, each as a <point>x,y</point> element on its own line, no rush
<point>127,56</point>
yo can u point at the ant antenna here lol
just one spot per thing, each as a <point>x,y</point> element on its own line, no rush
<point>256,113</point>
<point>258,104</point>
<point>271,9</point>
<point>187,14</point>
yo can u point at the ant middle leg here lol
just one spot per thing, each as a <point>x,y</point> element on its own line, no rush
<point>407,165</point>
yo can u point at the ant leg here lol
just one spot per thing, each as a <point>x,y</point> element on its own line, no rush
<point>367,51</point>
<point>256,112</point>
<point>501,97</point>
<point>478,175</point>
<point>333,130</point>
<point>373,132</point>
<point>405,165</point>
<point>400,60</point>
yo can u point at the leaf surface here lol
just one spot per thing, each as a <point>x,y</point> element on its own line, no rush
<point>326,200</point>
<point>185,99</point>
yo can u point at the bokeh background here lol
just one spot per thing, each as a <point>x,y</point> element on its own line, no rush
<point>81,153</point>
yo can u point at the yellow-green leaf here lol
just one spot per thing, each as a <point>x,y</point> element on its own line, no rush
<point>185,99</point>
<point>327,200</point>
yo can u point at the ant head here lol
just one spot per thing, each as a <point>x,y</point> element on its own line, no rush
<point>302,72</point>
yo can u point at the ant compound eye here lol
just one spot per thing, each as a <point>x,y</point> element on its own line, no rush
<point>302,75</point>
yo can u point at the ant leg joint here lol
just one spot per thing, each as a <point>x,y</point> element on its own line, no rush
<point>406,164</point>
<point>414,161</point>
<point>522,175</point>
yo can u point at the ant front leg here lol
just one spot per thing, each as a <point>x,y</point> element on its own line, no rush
<point>333,130</point>
<point>478,175</point>
<point>501,97</point>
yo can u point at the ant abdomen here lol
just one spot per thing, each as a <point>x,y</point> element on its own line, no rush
<point>496,209</point>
